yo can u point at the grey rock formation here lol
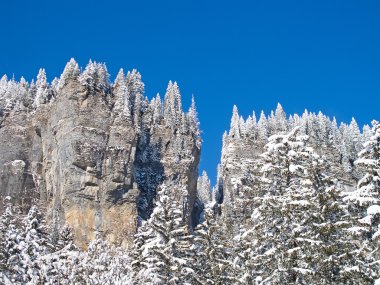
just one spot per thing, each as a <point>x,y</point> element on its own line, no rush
<point>93,167</point>
<point>16,141</point>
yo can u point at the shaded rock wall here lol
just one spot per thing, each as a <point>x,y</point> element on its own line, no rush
<point>92,168</point>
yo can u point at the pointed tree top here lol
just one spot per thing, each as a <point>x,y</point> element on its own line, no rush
<point>4,78</point>
<point>71,71</point>
<point>120,74</point>
<point>235,123</point>
<point>193,108</point>
<point>354,125</point>
<point>235,110</point>
<point>72,65</point>
<point>134,76</point>
<point>41,78</point>
<point>254,119</point>
<point>172,88</point>
<point>262,116</point>
<point>279,110</point>
<point>41,73</point>
<point>120,78</point>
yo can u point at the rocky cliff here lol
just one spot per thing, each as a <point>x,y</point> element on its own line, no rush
<point>93,152</point>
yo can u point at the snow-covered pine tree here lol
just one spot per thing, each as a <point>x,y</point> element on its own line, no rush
<point>95,78</point>
<point>253,131</point>
<point>63,265</point>
<point>172,106</point>
<point>213,262</point>
<point>122,108</point>
<point>217,193</point>
<point>354,147</point>
<point>245,202</point>
<point>322,131</point>
<point>335,142</point>
<point>136,91</point>
<point>262,128</point>
<point>368,188</point>
<point>54,88</point>
<point>280,119</point>
<point>367,132</point>
<point>364,206</point>
<point>272,124</point>
<point>320,248</point>
<point>193,120</point>
<point>119,85</point>
<point>282,213</point>
<point>42,92</point>
<point>10,237</point>
<point>234,126</point>
<point>137,111</point>
<point>346,162</point>
<point>164,245</point>
<point>156,105</point>
<point>242,127</point>
<point>105,264</point>
<point>204,188</point>
<point>11,96</point>
<point>35,244</point>
<point>3,85</point>
<point>71,72</point>
<point>3,90</point>
<point>249,127</point>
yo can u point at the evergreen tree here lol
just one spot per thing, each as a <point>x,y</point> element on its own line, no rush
<point>136,96</point>
<point>288,242</point>
<point>262,128</point>
<point>271,222</point>
<point>193,119</point>
<point>10,238</point>
<point>106,264</point>
<point>122,106</point>
<point>249,127</point>
<point>280,118</point>
<point>157,109</point>
<point>95,78</point>
<point>367,192</point>
<point>71,72</point>
<point>212,264</point>
<point>204,188</point>
<point>234,128</point>
<point>42,93</point>
<point>164,245</point>
<point>172,106</point>
<point>35,244</point>
<point>242,127</point>
<point>364,207</point>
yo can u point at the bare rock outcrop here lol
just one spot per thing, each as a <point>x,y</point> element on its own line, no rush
<point>94,153</point>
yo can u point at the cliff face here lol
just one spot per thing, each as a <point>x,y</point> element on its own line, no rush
<point>94,154</point>
<point>16,150</point>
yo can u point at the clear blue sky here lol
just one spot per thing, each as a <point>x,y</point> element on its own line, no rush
<point>319,55</point>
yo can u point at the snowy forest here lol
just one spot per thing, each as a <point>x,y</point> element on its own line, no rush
<point>296,200</point>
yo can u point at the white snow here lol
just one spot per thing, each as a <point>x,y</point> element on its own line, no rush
<point>373,210</point>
